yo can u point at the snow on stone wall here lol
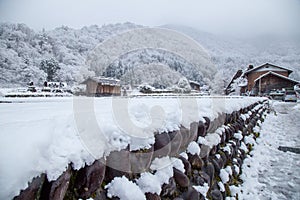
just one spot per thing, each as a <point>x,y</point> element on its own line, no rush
<point>202,160</point>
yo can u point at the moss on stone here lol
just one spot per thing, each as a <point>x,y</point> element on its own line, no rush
<point>218,179</point>
<point>250,148</point>
<point>256,134</point>
<point>71,191</point>
<point>227,190</point>
<point>38,194</point>
<point>236,181</point>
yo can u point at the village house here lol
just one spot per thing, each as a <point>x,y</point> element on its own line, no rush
<point>194,85</point>
<point>263,79</point>
<point>102,86</point>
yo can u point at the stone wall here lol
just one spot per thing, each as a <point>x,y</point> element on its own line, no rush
<point>224,143</point>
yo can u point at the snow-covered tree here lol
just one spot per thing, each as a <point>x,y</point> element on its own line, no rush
<point>183,86</point>
<point>22,50</point>
<point>156,75</point>
<point>219,82</point>
<point>50,67</point>
<point>146,88</point>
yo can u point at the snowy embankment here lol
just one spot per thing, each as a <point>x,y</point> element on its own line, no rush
<point>44,135</point>
<point>270,173</point>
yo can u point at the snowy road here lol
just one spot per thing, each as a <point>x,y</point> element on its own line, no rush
<point>271,173</point>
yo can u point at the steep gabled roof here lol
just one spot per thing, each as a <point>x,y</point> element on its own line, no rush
<point>194,82</point>
<point>104,81</point>
<point>278,75</point>
<point>268,64</point>
<point>237,75</point>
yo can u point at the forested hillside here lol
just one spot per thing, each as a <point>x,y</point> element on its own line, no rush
<point>23,52</point>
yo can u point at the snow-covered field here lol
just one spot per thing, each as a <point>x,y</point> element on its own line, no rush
<point>271,173</point>
<point>46,134</point>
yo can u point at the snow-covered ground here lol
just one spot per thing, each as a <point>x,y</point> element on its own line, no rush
<point>271,173</point>
<point>43,135</point>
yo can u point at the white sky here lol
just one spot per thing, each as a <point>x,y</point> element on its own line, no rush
<point>230,17</point>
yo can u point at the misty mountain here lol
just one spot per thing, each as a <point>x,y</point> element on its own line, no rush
<point>231,54</point>
<point>22,50</point>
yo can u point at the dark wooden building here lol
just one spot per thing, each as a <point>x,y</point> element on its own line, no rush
<point>254,72</point>
<point>272,81</point>
<point>267,77</point>
<point>262,79</point>
<point>102,86</point>
<point>194,85</point>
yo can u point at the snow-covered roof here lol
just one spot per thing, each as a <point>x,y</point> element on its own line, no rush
<point>238,75</point>
<point>194,82</point>
<point>104,81</point>
<point>297,87</point>
<point>243,83</point>
<point>268,64</point>
<point>278,75</point>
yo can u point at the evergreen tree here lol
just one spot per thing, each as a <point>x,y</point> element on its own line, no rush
<point>50,67</point>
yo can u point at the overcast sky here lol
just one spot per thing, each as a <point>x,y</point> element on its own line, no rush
<point>230,17</point>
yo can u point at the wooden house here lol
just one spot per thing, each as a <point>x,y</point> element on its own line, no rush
<point>194,85</point>
<point>264,78</point>
<point>272,81</point>
<point>102,86</point>
<point>253,73</point>
<point>267,77</point>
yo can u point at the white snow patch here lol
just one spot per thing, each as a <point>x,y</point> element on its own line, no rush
<point>243,116</point>
<point>160,163</point>
<point>227,148</point>
<point>230,198</point>
<point>224,175</point>
<point>201,140</point>
<point>149,183</point>
<point>178,164</point>
<point>193,148</point>
<point>256,129</point>
<point>220,131</point>
<point>202,189</point>
<point>221,186</point>
<point>238,136</point>
<point>244,147</point>
<point>297,107</point>
<point>234,190</point>
<point>183,154</point>
<point>124,189</point>
<point>229,170</point>
<point>249,140</point>
<point>259,123</point>
<point>212,139</point>
<point>236,169</point>
<point>164,168</point>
